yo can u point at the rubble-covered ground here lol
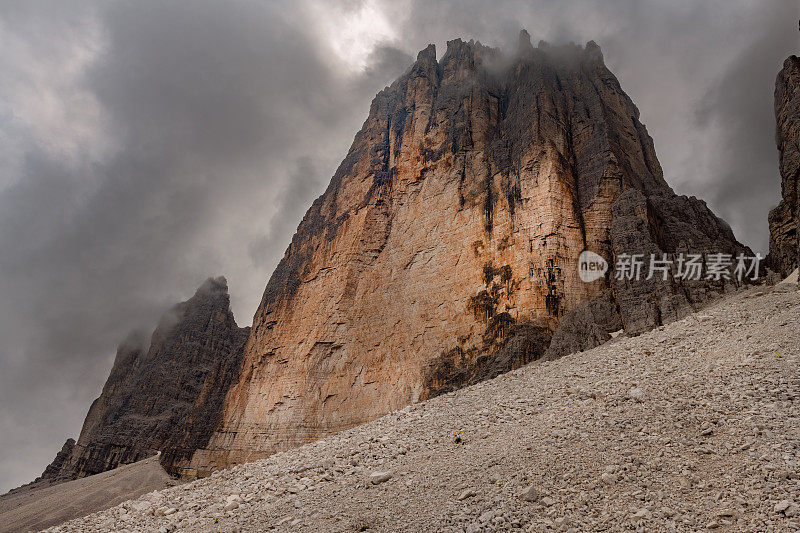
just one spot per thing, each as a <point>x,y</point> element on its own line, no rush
<point>689,427</point>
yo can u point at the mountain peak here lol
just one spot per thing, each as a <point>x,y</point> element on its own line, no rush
<point>524,42</point>
<point>378,303</point>
<point>427,54</point>
<point>593,51</point>
<point>213,285</point>
<point>444,252</point>
<point>156,391</point>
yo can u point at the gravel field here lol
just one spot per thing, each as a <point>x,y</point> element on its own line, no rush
<point>32,510</point>
<point>689,427</point>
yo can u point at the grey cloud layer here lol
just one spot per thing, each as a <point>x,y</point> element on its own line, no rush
<point>147,145</point>
<point>211,111</point>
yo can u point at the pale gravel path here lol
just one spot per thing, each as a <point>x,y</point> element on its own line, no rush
<point>688,427</point>
<point>32,510</point>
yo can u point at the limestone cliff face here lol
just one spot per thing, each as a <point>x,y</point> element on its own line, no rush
<point>167,397</point>
<point>444,249</point>
<point>784,220</point>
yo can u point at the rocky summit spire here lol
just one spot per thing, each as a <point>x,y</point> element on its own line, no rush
<point>444,250</point>
<point>524,42</point>
<point>784,220</point>
<point>164,394</point>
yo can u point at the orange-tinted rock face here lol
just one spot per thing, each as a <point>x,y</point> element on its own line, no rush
<point>444,250</point>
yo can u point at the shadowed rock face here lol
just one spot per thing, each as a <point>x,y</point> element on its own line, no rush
<point>54,469</point>
<point>167,397</point>
<point>784,220</point>
<point>444,250</point>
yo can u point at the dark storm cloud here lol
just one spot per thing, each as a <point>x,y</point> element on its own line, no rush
<point>292,203</point>
<point>738,112</point>
<point>148,145</point>
<point>207,109</point>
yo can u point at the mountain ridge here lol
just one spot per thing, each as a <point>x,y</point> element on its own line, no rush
<point>161,395</point>
<point>443,253</point>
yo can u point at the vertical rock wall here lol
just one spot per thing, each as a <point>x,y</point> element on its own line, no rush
<point>784,220</point>
<point>444,250</point>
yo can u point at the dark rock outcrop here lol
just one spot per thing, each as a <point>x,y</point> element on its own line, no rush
<point>588,325</point>
<point>667,224</point>
<point>784,220</point>
<point>55,468</point>
<point>163,397</point>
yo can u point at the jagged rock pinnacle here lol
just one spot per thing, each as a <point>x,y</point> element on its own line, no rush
<point>594,52</point>
<point>784,220</point>
<point>213,285</point>
<point>524,42</point>
<point>427,54</point>
<point>163,396</point>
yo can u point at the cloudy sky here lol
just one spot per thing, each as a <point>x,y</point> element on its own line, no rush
<point>147,145</point>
